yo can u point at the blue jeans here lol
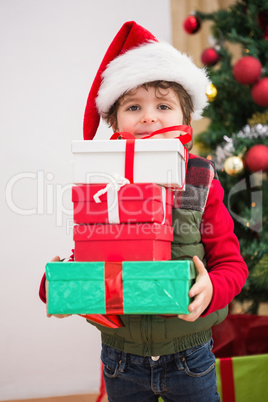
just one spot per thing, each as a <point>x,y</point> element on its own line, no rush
<point>188,376</point>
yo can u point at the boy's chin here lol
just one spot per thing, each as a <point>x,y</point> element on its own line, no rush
<point>141,136</point>
<point>172,135</point>
<point>163,136</point>
<point>168,135</point>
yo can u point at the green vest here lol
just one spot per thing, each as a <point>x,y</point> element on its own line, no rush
<point>152,335</point>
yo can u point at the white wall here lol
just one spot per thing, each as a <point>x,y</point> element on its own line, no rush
<point>50,52</point>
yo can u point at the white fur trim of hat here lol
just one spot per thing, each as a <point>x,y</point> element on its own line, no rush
<point>149,62</point>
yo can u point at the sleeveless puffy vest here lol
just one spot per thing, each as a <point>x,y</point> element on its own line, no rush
<point>152,335</point>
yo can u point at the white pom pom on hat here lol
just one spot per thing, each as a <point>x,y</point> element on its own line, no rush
<point>135,57</point>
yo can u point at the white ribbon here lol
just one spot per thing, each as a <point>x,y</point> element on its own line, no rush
<point>164,197</point>
<point>112,197</point>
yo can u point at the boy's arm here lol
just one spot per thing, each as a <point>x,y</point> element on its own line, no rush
<point>227,270</point>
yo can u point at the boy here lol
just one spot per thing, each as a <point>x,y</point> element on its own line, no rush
<point>142,86</point>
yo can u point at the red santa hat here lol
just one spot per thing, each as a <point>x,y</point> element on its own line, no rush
<point>133,58</point>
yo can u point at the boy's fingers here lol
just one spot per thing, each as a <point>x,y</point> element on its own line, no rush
<point>189,317</point>
<point>57,258</point>
<point>196,303</point>
<point>195,290</point>
<point>198,265</point>
<point>195,310</point>
<point>48,315</point>
<point>198,286</point>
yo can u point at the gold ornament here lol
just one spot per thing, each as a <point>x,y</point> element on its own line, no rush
<point>234,166</point>
<point>258,118</point>
<point>211,92</point>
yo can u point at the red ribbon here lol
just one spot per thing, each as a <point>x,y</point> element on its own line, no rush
<point>183,138</point>
<point>113,297</point>
<point>129,153</point>
<point>130,146</point>
<point>102,391</point>
<point>109,321</point>
<point>113,288</point>
<point>129,160</point>
<point>227,380</point>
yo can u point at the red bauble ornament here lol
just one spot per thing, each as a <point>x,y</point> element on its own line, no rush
<point>259,92</point>
<point>247,70</point>
<point>257,158</point>
<point>210,57</point>
<point>191,24</point>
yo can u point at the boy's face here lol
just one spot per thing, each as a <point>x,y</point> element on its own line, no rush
<point>144,111</point>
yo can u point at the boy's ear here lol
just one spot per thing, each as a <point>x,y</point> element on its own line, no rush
<point>114,126</point>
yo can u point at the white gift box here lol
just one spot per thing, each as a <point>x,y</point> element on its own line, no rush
<point>161,161</point>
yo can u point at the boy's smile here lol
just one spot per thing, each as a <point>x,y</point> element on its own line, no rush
<point>146,110</point>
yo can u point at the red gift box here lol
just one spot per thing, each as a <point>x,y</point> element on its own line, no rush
<point>132,203</point>
<point>125,242</point>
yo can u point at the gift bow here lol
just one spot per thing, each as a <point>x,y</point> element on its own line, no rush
<point>112,197</point>
<point>130,145</point>
<point>112,190</point>
<point>184,139</point>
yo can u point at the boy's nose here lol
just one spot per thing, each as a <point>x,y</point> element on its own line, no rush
<point>148,118</point>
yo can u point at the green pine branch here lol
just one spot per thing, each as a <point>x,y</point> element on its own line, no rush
<point>229,113</point>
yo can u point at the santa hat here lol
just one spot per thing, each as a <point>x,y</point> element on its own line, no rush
<point>133,58</point>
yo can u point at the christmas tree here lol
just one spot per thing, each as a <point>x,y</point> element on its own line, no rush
<point>236,138</point>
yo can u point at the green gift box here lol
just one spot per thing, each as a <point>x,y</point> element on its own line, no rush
<point>128,287</point>
<point>75,288</point>
<point>243,378</point>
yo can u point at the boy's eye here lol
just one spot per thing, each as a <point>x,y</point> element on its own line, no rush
<point>163,107</point>
<point>133,108</point>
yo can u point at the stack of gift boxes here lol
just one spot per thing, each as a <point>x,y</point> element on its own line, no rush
<point>123,232</point>
<point>133,224</point>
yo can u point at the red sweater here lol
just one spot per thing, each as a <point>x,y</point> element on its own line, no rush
<point>227,270</point>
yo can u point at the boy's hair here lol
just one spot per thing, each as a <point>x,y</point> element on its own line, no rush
<point>184,98</point>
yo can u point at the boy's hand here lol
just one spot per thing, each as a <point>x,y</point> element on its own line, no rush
<point>54,315</point>
<point>202,292</point>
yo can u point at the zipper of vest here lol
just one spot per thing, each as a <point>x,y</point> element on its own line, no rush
<point>146,334</point>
